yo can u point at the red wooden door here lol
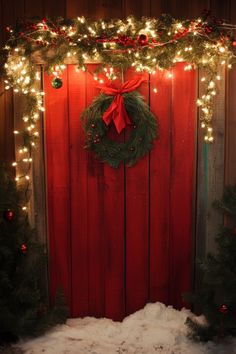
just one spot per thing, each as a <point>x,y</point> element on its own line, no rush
<point>120,238</point>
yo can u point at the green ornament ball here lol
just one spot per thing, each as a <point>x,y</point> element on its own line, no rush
<point>57,83</point>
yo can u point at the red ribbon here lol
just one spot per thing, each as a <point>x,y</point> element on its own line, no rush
<point>117,112</point>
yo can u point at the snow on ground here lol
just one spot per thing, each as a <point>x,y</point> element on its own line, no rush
<point>154,329</point>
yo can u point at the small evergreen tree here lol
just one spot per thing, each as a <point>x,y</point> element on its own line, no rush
<point>217,296</point>
<point>23,311</point>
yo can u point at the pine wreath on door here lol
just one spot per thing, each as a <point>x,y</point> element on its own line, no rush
<point>119,238</point>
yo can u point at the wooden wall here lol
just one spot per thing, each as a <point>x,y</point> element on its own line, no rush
<point>13,10</point>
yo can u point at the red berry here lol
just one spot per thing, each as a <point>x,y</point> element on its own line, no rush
<point>224,309</point>
<point>23,248</point>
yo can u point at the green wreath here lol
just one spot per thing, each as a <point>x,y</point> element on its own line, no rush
<point>140,140</point>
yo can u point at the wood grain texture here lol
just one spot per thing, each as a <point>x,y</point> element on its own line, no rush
<point>136,8</point>
<point>33,8</point>
<point>197,7</point>
<point>58,187</point>
<point>201,192</point>
<point>76,96</point>
<point>76,8</point>
<point>160,164</point>
<point>95,220</point>
<point>123,230</point>
<point>230,141</point>
<point>210,180</point>
<point>221,9</point>
<point>216,164</point>
<point>114,216</point>
<point>177,8</point>
<point>104,8</point>
<point>54,9</point>
<point>137,227</point>
<point>181,187</point>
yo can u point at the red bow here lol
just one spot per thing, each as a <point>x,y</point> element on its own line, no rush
<point>116,111</point>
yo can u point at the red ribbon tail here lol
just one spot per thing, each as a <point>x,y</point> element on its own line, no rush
<point>109,115</point>
<point>117,111</point>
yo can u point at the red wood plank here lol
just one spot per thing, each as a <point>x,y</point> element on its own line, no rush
<point>160,105</point>
<point>78,193</point>
<point>183,124</point>
<point>136,8</point>
<point>54,9</point>
<point>104,9</point>
<point>75,8</point>
<point>114,241</point>
<point>137,229</point>
<point>95,220</point>
<point>33,8</point>
<point>114,207</point>
<point>58,189</point>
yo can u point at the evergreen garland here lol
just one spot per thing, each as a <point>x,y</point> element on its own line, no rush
<point>23,307</point>
<point>140,140</point>
<point>216,298</point>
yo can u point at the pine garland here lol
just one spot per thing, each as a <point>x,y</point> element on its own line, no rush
<point>140,140</point>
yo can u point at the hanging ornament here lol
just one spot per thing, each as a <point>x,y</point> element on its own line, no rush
<point>224,309</point>
<point>8,214</point>
<point>24,248</point>
<point>234,42</point>
<point>57,83</point>
<point>234,230</point>
<point>143,39</point>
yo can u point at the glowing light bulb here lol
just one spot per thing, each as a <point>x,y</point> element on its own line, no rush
<point>222,49</point>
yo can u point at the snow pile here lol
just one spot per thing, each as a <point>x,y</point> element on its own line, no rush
<point>154,329</point>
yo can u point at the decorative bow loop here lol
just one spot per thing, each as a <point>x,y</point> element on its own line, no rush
<point>117,112</point>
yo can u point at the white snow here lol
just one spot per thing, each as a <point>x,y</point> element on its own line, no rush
<point>154,329</point>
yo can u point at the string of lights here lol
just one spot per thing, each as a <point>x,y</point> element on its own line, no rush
<point>146,45</point>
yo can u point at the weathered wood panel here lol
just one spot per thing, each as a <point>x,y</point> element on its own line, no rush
<point>76,8</point>
<point>210,178</point>
<point>33,8</point>
<point>137,227</point>
<point>58,187</point>
<point>230,141</point>
<point>53,9</point>
<point>79,198</point>
<point>137,8</point>
<point>181,187</point>
<point>160,165</point>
